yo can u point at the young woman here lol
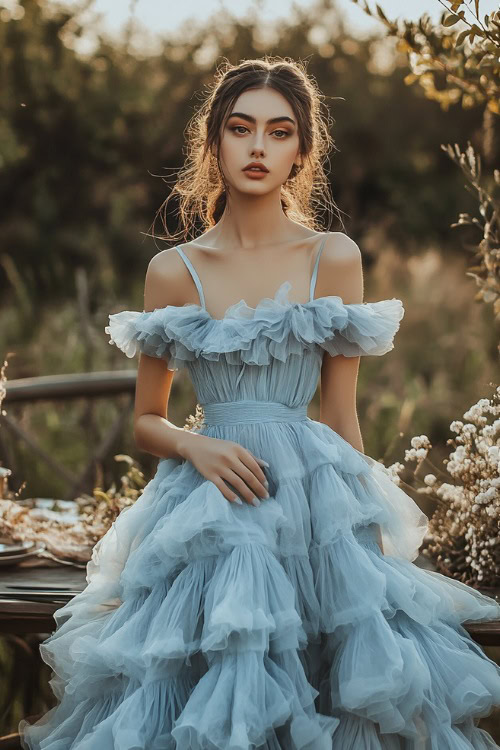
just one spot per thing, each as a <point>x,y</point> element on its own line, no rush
<point>261,592</point>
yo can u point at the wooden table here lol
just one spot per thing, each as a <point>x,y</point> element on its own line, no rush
<point>18,616</point>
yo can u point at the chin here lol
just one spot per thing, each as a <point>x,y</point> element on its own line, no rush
<point>265,184</point>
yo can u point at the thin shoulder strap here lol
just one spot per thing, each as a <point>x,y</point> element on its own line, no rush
<point>193,273</point>
<point>315,271</point>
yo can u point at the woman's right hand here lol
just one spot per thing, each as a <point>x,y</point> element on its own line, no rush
<point>223,461</point>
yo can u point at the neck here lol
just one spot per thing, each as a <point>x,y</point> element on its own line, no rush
<point>251,221</point>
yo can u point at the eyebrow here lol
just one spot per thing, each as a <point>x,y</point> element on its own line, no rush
<point>249,118</point>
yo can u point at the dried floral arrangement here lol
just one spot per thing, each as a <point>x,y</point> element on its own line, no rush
<point>463,540</point>
<point>71,538</point>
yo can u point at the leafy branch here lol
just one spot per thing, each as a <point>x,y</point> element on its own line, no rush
<point>455,66</point>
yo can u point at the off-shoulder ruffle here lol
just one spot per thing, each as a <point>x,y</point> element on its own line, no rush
<point>276,328</point>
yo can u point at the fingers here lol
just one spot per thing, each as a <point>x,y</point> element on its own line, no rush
<point>218,481</point>
<point>253,464</point>
<point>242,480</point>
<point>260,487</point>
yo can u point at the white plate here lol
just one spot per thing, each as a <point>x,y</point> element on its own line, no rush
<point>15,548</point>
<point>12,559</point>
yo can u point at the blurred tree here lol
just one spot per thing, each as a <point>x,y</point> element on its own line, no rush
<point>81,136</point>
<point>462,66</point>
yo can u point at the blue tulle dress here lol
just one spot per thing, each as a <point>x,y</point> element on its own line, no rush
<point>208,625</point>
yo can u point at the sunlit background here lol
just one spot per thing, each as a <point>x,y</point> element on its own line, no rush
<point>95,98</point>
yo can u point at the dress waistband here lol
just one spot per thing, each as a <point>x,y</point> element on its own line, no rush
<point>246,410</point>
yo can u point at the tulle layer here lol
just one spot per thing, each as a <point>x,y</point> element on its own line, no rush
<point>209,625</point>
<point>275,329</point>
<point>354,732</point>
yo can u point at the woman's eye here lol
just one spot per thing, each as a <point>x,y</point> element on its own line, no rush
<point>242,127</point>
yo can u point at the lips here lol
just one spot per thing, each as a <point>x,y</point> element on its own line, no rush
<point>255,167</point>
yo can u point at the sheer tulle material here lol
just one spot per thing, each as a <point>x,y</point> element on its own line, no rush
<point>275,329</point>
<point>207,625</point>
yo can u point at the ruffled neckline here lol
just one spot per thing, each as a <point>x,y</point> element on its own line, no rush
<point>274,329</point>
<point>243,310</point>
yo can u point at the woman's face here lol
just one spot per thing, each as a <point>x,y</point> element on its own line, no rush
<point>262,129</point>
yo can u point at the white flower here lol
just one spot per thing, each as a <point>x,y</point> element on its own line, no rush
<point>421,441</point>
<point>494,454</point>
<point>469,429</point>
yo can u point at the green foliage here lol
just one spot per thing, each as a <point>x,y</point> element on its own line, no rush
<point>86,142</point>
<point>462,65</point>
<point>487,272</point>
<point>470,75</point>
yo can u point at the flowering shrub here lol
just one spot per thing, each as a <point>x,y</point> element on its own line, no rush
<point>464,530</point>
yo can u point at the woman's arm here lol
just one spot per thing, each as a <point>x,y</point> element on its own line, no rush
<point>153,432</point>
<point>340,274</point>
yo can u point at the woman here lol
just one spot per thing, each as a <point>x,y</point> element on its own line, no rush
<point>261,591</point>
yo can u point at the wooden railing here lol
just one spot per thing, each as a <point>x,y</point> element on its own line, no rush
<point>91,386</point>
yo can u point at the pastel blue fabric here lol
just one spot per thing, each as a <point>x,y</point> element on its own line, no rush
<point>208,625</point>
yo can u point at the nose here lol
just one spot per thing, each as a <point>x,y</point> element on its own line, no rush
<point>258,146</point>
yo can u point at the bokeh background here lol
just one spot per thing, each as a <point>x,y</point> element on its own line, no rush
<point>95,97</point>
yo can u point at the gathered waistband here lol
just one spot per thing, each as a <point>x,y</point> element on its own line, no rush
<point>247,410</point>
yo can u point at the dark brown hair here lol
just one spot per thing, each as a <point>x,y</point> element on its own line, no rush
<point>200,184</point>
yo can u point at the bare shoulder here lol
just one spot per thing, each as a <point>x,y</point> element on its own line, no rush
<point>340,270</point>
<point>340,249</point>
<point>166,280</point>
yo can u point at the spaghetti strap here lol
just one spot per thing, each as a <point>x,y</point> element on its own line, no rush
<point>199,286</point>
<point>193,273</point>
<point>315,271</point>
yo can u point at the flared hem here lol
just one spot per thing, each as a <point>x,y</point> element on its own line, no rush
<point>207,625</point>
